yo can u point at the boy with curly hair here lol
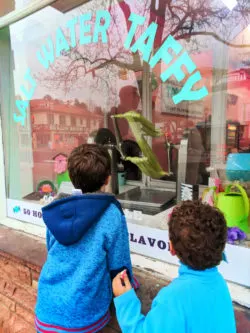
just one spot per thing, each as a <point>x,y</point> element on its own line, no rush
<point>198,301</point>
<point>87,242</point>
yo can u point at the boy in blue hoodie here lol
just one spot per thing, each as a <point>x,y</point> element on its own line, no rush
<point>87,242</point>
<point>198,301</point>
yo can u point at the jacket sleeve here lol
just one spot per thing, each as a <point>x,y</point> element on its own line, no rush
<point>118,249</point>
<point>161,318</point>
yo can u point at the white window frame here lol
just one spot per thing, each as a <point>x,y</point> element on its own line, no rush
<point>23,12</point>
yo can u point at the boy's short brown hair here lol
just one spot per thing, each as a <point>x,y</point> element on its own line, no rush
<point>198,233</point>
<point>89,166</point>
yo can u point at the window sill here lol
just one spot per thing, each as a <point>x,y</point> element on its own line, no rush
<point>24,249</point>
<point>29,228</point>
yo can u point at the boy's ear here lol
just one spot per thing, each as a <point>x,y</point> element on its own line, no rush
<point>171,249</point>
<point>107,180</point>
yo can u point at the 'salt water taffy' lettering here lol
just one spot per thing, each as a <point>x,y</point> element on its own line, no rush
<point>61,43</point>
<point>85,27</point>
<point>101,29</point>
<point>187,94</point>
<point>22,105</point>
<point>145,44</point>
<point>49,52</point>
<point>46,56</point>
<point>54,48</point>
<point>148,35</point>
<point>136,20</point>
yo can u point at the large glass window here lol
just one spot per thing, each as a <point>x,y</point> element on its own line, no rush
<point>75,70</point>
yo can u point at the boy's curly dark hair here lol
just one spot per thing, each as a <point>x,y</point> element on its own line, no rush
<point>89,166</point>
<point>198,234</point>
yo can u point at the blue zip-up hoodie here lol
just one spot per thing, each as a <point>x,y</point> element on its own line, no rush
<point>195,302</point>
<point>87,241</point>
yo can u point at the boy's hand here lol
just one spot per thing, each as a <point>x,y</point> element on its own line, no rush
<point>121,284</point>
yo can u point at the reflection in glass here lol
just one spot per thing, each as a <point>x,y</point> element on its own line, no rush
<point>84,88</point>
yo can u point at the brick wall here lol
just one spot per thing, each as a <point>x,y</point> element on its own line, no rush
<point>18,289</point>
<point>21,259</point>
<point>18,286</point>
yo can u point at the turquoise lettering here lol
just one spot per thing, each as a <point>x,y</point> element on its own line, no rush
<point>71,25</point>
<point>187,94</point>
<point>48,54</point>
<point>176,68</point>
<point>22,106</point>
<point>101,29</point>
<point>85,28</point>
<point>163,52</point>
<point>19,119</point>
<point>136,20</point>
<point>175,91</point>
<point>140,44</point>
<point>61,43</point>
<point>28,94</point>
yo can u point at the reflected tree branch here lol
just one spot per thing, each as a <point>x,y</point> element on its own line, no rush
<point>211,34</point>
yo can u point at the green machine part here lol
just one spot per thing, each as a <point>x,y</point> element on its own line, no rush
<point>140,128</point>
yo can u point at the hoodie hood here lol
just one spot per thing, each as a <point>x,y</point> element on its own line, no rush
<point>68,219</point>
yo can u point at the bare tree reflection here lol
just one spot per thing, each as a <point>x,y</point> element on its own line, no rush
<point>190,21</point>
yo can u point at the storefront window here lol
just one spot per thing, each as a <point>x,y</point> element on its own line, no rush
<point>78,69</point>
